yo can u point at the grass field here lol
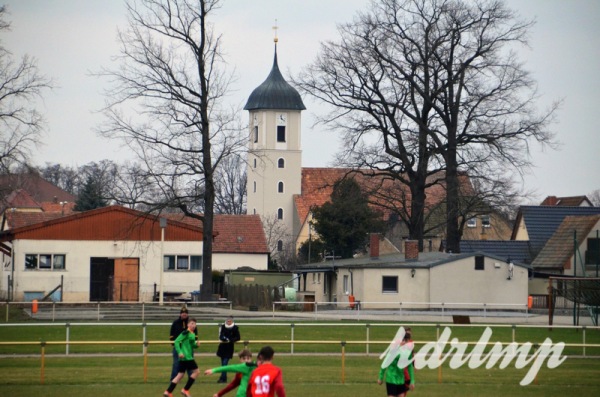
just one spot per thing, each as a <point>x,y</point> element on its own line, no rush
<point>314,370</point>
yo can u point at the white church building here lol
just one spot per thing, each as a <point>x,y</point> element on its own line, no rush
<point>275,152</point>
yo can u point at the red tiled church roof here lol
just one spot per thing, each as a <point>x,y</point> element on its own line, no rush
<point>317,186</point>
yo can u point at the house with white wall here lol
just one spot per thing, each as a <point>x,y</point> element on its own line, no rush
<point>418,280</point>
<point>118,254</point>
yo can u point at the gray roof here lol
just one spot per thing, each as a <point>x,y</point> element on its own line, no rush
<point>426,260</point>
<point>275,93</point>
<point>542,221</point>
<point>515,250</point>
<point>560,246</point>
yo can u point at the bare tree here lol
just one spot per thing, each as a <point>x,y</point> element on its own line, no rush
<point>281,245</point>
<point>65,177</point>
<point>166,104</point>
<point>21,124</point>
<point>230,186</point>
<point>436,85</point>
<point>133,187</point>
<point>594,197</point>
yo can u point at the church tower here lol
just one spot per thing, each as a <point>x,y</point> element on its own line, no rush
<point>275,155</point>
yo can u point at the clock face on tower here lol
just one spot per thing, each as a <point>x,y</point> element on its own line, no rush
<point>281,118</point>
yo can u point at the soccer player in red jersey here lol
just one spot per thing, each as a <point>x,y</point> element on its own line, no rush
<point>266,379</point>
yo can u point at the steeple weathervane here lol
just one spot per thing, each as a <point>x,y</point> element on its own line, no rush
<point>275,39</point>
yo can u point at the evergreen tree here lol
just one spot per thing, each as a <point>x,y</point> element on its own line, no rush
<point>90,196</point>
<point>344,223</point>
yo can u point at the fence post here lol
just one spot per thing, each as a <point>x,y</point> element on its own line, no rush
<point>368,325</point>
<point>343,362</point>
<point>54,310</point>
<point>583,333</point>
<point>535,349</point>
<point>143,311</point>
<point>292,339</point>
<point>68,337</point>
<point>514,330</point>
<point>484,310</point>
<point>98,311</point>
<point>145,352</point>
<point>144,339</point>
<point>7,303</point>
<point>43,359</point>
<point>437,326</point>
<point>316,310</point>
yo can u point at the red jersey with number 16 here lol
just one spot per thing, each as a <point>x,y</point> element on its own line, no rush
<point>265,381</point>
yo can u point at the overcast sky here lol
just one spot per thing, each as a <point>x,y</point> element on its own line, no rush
<point>71,38</point>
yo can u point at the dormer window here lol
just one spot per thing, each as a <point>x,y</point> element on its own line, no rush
<point>485,220</point>
<point>472,222</point>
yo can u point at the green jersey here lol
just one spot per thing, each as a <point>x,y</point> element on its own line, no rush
<point>185,344</point>
<point>395,375</point>
<point>245,369</point>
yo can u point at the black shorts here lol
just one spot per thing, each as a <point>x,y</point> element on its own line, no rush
<point>394,389</point>
<point>188,365</point>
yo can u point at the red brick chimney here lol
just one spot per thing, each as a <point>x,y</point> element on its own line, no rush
<point>374,245</point>
<point>411,250</point>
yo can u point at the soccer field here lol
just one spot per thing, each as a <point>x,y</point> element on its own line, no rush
<point>314,369</point>
<point>315,376</point>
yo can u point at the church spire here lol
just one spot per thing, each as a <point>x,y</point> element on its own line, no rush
<point>275,40</point>
<point>275,92</point>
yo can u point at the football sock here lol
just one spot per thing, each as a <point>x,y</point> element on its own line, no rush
<point>189,383</point>
<point>171,387</point>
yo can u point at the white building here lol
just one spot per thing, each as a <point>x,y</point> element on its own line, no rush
<point>118,254</point>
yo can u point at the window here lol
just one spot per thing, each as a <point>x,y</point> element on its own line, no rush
<point>280,187</point>
<point>59,262</point>
<point>479,262</point>
<point>325,282</point>
<point>254,186</point>
<point>281,133</point>
<point>485,220</point>
<point>44,262</point>
<point>592,254</point>
<point>254,163</point>
<point>389,284</point>
<point>472,222</point>
<point>183,262</point>
<point>255,133</point>
<point>280,213</point>
<point>345,284</point>
<point>279,245</point>
<point>281,163</point>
